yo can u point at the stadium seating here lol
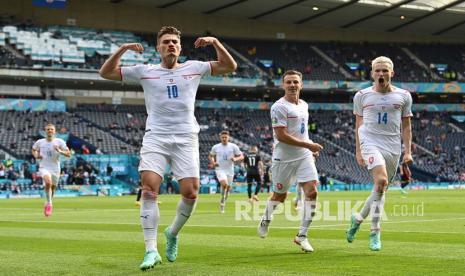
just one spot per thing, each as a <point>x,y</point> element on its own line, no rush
<point>21,129</point>
<point>360,55</point>
<point>448,61</point>
<point>73,47</point>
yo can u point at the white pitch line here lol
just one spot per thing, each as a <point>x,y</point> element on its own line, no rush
<point>246,226</point>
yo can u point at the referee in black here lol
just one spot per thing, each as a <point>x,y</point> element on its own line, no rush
<point>254,165</point>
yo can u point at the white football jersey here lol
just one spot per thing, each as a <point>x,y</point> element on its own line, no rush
<point>50,157</point>
<point>223,154</point>
<point>169,94</point>
<point>294,117</point>
<point>382,117</point>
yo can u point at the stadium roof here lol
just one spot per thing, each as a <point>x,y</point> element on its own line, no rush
<point>428,17</point>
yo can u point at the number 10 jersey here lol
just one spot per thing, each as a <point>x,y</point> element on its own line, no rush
<point>169,94</point>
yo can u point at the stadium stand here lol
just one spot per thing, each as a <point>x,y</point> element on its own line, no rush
<point>119,129</point>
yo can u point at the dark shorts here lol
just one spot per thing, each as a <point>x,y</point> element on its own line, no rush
<point>252,177</point>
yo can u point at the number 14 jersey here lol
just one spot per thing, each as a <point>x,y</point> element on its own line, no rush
<point>382,117</point>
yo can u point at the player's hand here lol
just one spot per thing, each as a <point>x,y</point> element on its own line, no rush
<point>407,159</point>
<point>316,154</point>
<point>406,171</point>
<point>360,161</point>
<point>136,47</point>
<point>204,41</point>
<point>315,147</point>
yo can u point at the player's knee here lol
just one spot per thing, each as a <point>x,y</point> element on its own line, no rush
<point>278,197</point>
<point>382,183</point>
<point>149,195</point>
<point>190,195</point>
<point>311,194</point>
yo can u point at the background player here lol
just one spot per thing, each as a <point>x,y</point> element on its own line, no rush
<point>222,157</point>
<point>254,165</point>
<point>47,151</point>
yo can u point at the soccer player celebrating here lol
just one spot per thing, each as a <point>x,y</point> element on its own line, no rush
<point>171,135</point>
<point>222,157</point>
<point>292,157</point>
<point>382,114</point>
<point>254,165</point>
<point>47,151</point>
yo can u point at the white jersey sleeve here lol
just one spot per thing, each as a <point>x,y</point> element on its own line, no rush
<point>35,146</point>
<point>62,144</point>
<point>407,108</point>
<point>358,106</point>
<point>213,151</point>
<point>203,67</point>
<point>237,151</point>
<point>278,115</point>
<point>132,74</point>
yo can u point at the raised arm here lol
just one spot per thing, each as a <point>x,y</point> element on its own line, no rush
<point>225,63</point>
<point>285,137</point>
<point>110,70</point>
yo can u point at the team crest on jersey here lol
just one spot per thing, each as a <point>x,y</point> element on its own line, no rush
<point>171,80</point>
<point>396,106</point>
<point>371,159</point>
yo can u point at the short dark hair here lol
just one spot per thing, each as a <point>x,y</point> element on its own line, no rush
<point>292,72</point>
<point>168,30</point>
<point>224,132</point>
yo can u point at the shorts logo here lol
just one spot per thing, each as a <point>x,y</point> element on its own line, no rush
<point>279,186</point>
<point>371,159</point>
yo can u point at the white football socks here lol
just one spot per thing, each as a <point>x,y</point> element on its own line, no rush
<point>270,207</point>
<point>307,216</point>
<point>185,208</point>
<point>149,218</point>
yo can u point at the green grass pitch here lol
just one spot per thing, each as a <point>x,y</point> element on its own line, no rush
<point>423,235</point>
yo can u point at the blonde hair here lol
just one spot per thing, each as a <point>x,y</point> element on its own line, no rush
<point>382,59</point>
